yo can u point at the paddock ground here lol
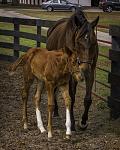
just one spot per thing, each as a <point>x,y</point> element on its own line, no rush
<point>102,133</point>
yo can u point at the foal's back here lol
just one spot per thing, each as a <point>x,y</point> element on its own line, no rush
<point>45,64</point>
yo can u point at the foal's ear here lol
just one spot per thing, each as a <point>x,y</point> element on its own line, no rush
<point>67,52</point>
<point>95,22</point>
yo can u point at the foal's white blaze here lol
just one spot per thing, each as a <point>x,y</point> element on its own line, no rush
<point>39,121</point>
<point>68,122</point>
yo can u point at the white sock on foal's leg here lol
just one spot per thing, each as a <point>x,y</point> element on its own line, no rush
<point>39,121</point>
<point>68,122</point>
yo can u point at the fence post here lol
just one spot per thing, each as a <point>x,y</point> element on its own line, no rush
<point>114,76</point>
<point>16,37</point>
<point>38,24</point>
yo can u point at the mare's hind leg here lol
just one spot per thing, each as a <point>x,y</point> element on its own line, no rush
<point>72,92</point>
<point>89,78</point>
<point>28,78</point>
<point>37,99</point>
<point>56,114</point>
<point>65,94</point>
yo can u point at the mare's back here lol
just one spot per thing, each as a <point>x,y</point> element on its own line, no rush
<point>56,38</point>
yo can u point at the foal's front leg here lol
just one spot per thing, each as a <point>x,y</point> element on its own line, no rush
<point>50,91</point>
<point>65,94</point>
<point>37,99</point>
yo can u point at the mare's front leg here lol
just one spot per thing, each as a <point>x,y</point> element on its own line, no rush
<point>65,94</point>
<point>50,91</point>
<point>89,79</point>
<point>37,100</point>
<point>72,92</point>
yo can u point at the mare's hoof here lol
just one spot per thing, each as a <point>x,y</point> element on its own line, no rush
<point>55,114</point>
<point>73,128</point>
<point>83,126</point>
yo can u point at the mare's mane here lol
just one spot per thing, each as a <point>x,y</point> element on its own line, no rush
<point>77,19</point>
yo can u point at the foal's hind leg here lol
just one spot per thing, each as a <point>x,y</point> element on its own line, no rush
<point>28,78</point>
<point>37,99</point>
<point>50,91</point>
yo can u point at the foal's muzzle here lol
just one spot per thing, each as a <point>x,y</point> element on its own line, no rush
<point>78,76</point>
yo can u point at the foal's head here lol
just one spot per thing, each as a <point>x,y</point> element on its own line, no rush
<point>74,66</point>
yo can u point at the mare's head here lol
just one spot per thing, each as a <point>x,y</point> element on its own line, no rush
<point>81,38</point>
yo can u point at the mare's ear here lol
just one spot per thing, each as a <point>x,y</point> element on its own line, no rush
<point>95,22</point>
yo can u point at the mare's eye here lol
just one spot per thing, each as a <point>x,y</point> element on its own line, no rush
<point>86,36</point>
<point>78,61</point>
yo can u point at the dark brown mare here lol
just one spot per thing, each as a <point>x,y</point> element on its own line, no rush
<point>77,34</point>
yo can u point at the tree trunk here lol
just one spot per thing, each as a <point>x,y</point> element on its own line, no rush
<point>15,2</point>
<point>95,2</point>
<point>40,2</point>
<point>4,1</point>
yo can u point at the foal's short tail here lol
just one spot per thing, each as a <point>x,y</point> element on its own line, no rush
<point>19,62</point>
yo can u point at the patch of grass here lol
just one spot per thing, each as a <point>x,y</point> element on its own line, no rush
<point>101,105</point>
<point>6,51</point>
<point>23,41</point>
<point>102,76</point>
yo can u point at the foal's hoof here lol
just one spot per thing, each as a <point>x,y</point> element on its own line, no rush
<point>67,137</point>
<point>83,126</point>
<point>49,139</point>
<point>43,130</point>
<point>49,135</point>
<point>25,126</point>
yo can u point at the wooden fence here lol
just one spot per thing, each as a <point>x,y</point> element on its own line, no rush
<point>31,2</point>
<point>114,76</point>
<point>17,34</point>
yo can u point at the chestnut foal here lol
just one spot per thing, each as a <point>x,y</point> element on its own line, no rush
<point>54,69</point>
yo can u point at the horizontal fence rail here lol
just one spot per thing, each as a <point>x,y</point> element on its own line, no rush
<point>17,34</point>
<point>37,36</point>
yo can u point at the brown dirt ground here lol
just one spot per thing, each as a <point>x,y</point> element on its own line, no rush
<point>102,133</point>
